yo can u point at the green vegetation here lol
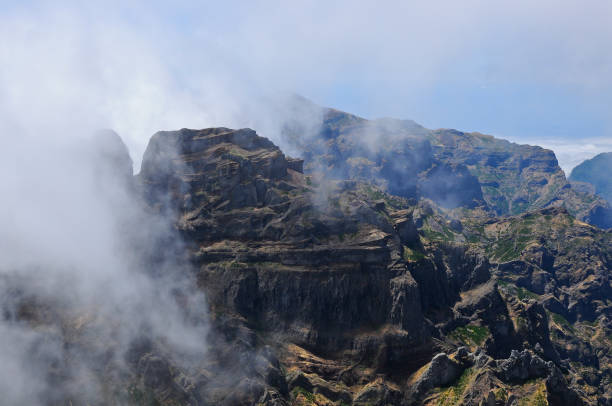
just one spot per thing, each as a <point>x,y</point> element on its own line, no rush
<point>518,291</point>
<point>538,398</point>
<point>237,154</point>
<point>297,391</point>
<point>445,235</point>
<point>474,239</point>
<point>392,201</point>
<point>453,394</point>
<point>412,255</point>
<point>509,248</point>
<point>501,395</point>
<point>471,334</point>
<point>523,293</point>
<point>562,321</point>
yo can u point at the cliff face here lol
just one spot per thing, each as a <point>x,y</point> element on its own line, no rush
<point>315,261</point>
<point>518,178</point>
<point>514,178</point>
<point>453,168</point>
<point>395,155</point>
<point>341,293</point>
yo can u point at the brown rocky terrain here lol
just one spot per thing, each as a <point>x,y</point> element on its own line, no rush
<point>345,294</point>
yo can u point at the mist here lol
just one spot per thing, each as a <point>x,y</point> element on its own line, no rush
<point>521,71</point>
<point>82,256</point>
<point>73,232</point>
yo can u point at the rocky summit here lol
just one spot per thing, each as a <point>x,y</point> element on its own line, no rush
<point>439,268</point>
<point>356,288</point>
<point>457,170</point>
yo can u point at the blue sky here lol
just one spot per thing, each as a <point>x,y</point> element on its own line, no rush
<point>533,72</point>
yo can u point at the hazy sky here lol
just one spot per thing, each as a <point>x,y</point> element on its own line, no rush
<point>535,72</point>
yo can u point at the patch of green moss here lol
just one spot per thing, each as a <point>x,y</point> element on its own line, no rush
<point>471,334</point>
<point>474,239</point>
<point>510,248</point>
<point>518,291</point>
<point>523,293</point>
<point>392,201</point>
<point>453,394</point>
<point>445,235</point>
<point>433,235</point>
<point>413,255</point>
<point>521,323</point>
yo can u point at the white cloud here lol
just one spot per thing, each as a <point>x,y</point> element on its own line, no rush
<point>571,153</point>
<point>143,66</point>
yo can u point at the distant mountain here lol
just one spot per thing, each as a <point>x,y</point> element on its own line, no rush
<point>598,172</point>
<point>455,169</point>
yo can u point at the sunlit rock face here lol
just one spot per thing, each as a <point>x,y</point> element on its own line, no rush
<point>275,248</point>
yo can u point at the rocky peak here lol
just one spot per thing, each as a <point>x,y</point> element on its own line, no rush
<point>216,168</point>
<point>394,154</point>
<point>453,168</point>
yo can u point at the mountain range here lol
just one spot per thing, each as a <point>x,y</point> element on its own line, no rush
<point>389,264</point>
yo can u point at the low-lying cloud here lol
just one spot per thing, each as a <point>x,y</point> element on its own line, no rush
<point>86,271</point>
